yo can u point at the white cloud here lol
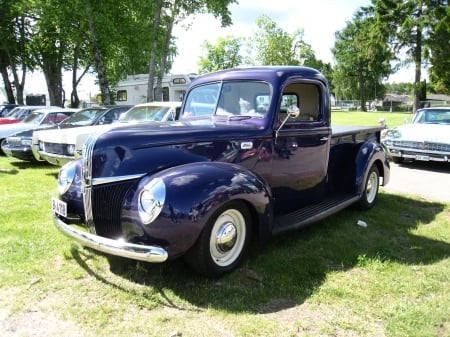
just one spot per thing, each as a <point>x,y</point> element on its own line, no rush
<point>319,19</point>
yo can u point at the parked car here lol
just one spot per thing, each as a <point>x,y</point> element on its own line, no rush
<point>19,113</point>
<point>426,138</point>
<point>5,108</point>
<point>254,155</point>
<point>36,119</point>
<point>19,144</point>
<point>60,146</point>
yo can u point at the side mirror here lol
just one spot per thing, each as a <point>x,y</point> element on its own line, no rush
<point>292,112</point>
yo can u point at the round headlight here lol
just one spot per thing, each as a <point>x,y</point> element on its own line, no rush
<point>151,200</point>
<point>66,177</point>
<point>393,133</point>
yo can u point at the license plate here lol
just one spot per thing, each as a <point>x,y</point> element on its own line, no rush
<point>423,158</point>
<point>59,207</point>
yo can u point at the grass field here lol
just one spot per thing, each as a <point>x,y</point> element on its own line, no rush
<point>334,278</point>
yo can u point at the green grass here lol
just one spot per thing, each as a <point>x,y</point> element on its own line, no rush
<point>331,279</point>
<point>369,118</point>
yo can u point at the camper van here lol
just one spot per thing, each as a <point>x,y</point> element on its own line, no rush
<point>133,89</point>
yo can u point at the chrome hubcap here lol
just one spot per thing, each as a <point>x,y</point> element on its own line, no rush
<point>226,237</point>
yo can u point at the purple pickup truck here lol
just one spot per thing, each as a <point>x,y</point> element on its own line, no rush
<point>253,155</point>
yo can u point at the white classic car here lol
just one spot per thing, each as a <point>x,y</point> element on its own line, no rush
<point>60,146</point>
<point>427,138</point>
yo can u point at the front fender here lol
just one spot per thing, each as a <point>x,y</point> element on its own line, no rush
<point>192,193</point>
<point>368,154</point>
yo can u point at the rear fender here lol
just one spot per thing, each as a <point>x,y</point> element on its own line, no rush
<point>192,193</point>
<point>368,154</point>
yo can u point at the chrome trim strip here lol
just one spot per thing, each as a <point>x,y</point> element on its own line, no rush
<point>114,247</point>
<point>86,177</point>
<point>115,179</point>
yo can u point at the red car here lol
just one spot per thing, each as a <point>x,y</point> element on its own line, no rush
<point>19,113</point>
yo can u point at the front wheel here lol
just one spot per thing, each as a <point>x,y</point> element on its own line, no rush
<point>370,192</point>
<point>223,242</point>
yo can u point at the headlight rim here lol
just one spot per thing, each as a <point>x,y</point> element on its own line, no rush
<point>66,177</point>
<point>154,193</point>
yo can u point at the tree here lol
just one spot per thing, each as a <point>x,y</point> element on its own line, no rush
<point>362,58</point>
<point>167,14</point>
<point>439,51</point>
<point>409,26</point>
<point>15,54</point>
<point>274,46</point>
<point>224,55</point>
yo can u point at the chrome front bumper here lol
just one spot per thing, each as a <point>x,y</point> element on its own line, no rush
<point>114,247</point>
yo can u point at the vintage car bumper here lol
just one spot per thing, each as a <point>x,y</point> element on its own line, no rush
<point>411,154</point>
<point>114,247</point>
<point>55,159</point>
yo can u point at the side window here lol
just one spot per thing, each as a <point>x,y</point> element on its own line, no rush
<point>121,95</point>
<point>305,97</point>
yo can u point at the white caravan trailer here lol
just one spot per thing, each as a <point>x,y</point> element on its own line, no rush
<point>133,89</point>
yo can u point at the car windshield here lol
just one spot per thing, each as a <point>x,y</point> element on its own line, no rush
<point>231,99</point>
<point>145,114</point>
<point>432,116</point>
<point>83,117</point>
<point>34,118</point>
<point>15,113</point>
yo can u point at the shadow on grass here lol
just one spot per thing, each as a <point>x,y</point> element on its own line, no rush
<point>35,165</point>
<point>287,270</point>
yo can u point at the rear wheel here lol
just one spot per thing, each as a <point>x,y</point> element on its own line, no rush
<point>371,186</point>
<point>223,242</point>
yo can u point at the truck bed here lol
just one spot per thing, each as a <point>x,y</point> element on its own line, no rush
<point>345,130</point>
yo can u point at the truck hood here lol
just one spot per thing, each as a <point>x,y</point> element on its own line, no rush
<point>146,148</point>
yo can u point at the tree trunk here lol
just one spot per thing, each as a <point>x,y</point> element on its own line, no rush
<point>98,59</point>
<point>8,87</point>
<point>152,58</point>
<point>164,59</point>
<point>74,99</point>
<point>53,77</point>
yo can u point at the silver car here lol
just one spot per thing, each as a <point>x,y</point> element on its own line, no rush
<point>427,138</point>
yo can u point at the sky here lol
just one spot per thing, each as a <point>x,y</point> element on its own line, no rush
<point>319,19</point>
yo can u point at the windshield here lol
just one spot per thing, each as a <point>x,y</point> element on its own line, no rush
<point>83,117</point>
<point>34,117</point>
<point>432,116</point>
<point>146,114</point>
<point>15,113</point>
<point>234,98</point>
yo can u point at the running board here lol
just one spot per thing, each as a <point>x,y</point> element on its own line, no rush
<point>313,213</point>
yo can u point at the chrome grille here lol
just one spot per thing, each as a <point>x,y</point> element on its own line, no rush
<point>425,146</point>
<point>107,205</point>
<point>14,141</point>
<point>86,175</point>
<point>55,148</point>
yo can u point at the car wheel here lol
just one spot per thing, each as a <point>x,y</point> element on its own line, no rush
<point>370,191</point>
<point>3,143</point>
<point>223,242</point>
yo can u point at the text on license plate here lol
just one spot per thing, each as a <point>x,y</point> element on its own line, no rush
<point>59,207</point>
<point>424,158</point>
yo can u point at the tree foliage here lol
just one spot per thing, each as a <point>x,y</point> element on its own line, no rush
<point>362,59</point>
<point>111,38</point>
<point>410,26</point>
<point>224,55</point>
<point>439,51</point>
